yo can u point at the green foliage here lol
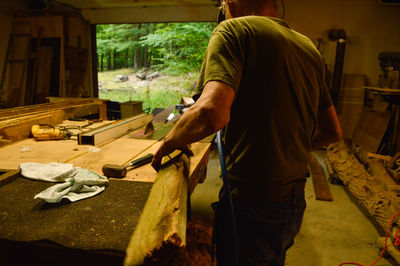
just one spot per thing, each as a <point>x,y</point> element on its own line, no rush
<point>172,47</point>
<point>179,46</point>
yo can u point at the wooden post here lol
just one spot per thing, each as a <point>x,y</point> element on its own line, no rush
<point>164,217</point>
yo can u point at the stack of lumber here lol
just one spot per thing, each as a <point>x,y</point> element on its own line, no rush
<point>15,123</point>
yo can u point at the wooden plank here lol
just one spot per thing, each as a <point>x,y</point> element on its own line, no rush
<point>102,104</point>
<point>22,129</point>
<point>164,217</point>
<point>39,108</point>
<point>371,128</point>
<point>7,175</point>
<point>98,136</point>
<point>29,150</point>
<point>116,152</point>
<point>321,186</point>
<point>81,110</point>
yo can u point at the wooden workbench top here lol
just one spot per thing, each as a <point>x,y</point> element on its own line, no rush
<point>115,151</point>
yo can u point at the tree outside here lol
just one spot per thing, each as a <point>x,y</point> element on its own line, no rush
<point>169,54</point>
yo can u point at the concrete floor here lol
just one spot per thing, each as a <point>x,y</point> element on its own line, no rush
<point>332,232</point>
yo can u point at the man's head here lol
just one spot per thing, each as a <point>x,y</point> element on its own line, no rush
<point>239,8</point>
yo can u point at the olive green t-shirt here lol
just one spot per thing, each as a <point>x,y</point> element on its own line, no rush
<point>279,82</point>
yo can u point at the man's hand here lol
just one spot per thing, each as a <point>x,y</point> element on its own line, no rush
<point>164,150</point>
<point>209,114</point>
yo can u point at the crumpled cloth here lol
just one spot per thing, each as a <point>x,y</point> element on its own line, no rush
<point>78,183</point>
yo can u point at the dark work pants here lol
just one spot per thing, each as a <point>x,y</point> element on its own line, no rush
<point>265,232</point>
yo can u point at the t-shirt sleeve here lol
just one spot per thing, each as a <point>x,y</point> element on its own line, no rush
<point>223,60</point>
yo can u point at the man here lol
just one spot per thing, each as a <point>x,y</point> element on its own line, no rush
<point>265,83</point>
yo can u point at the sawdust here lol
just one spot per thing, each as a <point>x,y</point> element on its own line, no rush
<point>196,252</point>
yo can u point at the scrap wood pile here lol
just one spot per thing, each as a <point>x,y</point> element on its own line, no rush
<point>16,123</point>
<point>367,176</point>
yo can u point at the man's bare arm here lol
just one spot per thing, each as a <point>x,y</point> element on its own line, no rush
<point>209,114</point>
<point>328,128</point>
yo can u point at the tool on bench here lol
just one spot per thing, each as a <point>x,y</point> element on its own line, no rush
<point>49,132</point>
<point>117,171</point>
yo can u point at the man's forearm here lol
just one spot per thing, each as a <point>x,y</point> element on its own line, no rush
<point>194,125</point>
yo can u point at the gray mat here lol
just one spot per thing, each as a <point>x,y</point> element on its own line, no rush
<point>104,222</point>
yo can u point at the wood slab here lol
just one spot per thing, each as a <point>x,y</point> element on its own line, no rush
<point>321,186</point>
<point>115,152</point>
<point>164,217</point>
<point>29,150</point>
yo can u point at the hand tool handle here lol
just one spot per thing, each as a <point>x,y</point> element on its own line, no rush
<point>141,161</point>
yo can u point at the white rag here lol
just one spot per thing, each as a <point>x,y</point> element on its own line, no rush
<point>78,183</point>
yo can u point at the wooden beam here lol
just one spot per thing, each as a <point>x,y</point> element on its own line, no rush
<point>164,217</point>
<point>100,135</point>
<point>146,14</point>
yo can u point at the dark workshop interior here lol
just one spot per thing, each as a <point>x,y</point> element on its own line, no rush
<point>56,120</point>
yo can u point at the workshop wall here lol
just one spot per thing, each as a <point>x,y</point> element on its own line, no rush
<point>371,28</point>
<point>80,83</point>
<point>5,31</point>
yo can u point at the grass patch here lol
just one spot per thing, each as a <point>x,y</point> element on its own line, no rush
<point>162,91</point>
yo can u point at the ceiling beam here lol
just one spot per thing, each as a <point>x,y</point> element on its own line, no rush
<point>151,14</point>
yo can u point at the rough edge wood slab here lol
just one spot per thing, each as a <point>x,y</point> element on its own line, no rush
<point>321,186</point>
<point>7,175</point>
<point>102,103</point>
<point>377,193</point>
<point>100,135</point>
<point>39,108</point>
<point>164,217</point>
<point>81,110</point>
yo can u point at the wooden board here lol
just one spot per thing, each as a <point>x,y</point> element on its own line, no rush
<point>29,150</point>
<point>98,136</point>
<point>321,186</point>
<point>41,108</point>
<point>8,175</point>
<point>371,128</point>
<point>116,152</point>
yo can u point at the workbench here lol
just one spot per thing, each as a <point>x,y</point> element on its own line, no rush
<point>97,228</point>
